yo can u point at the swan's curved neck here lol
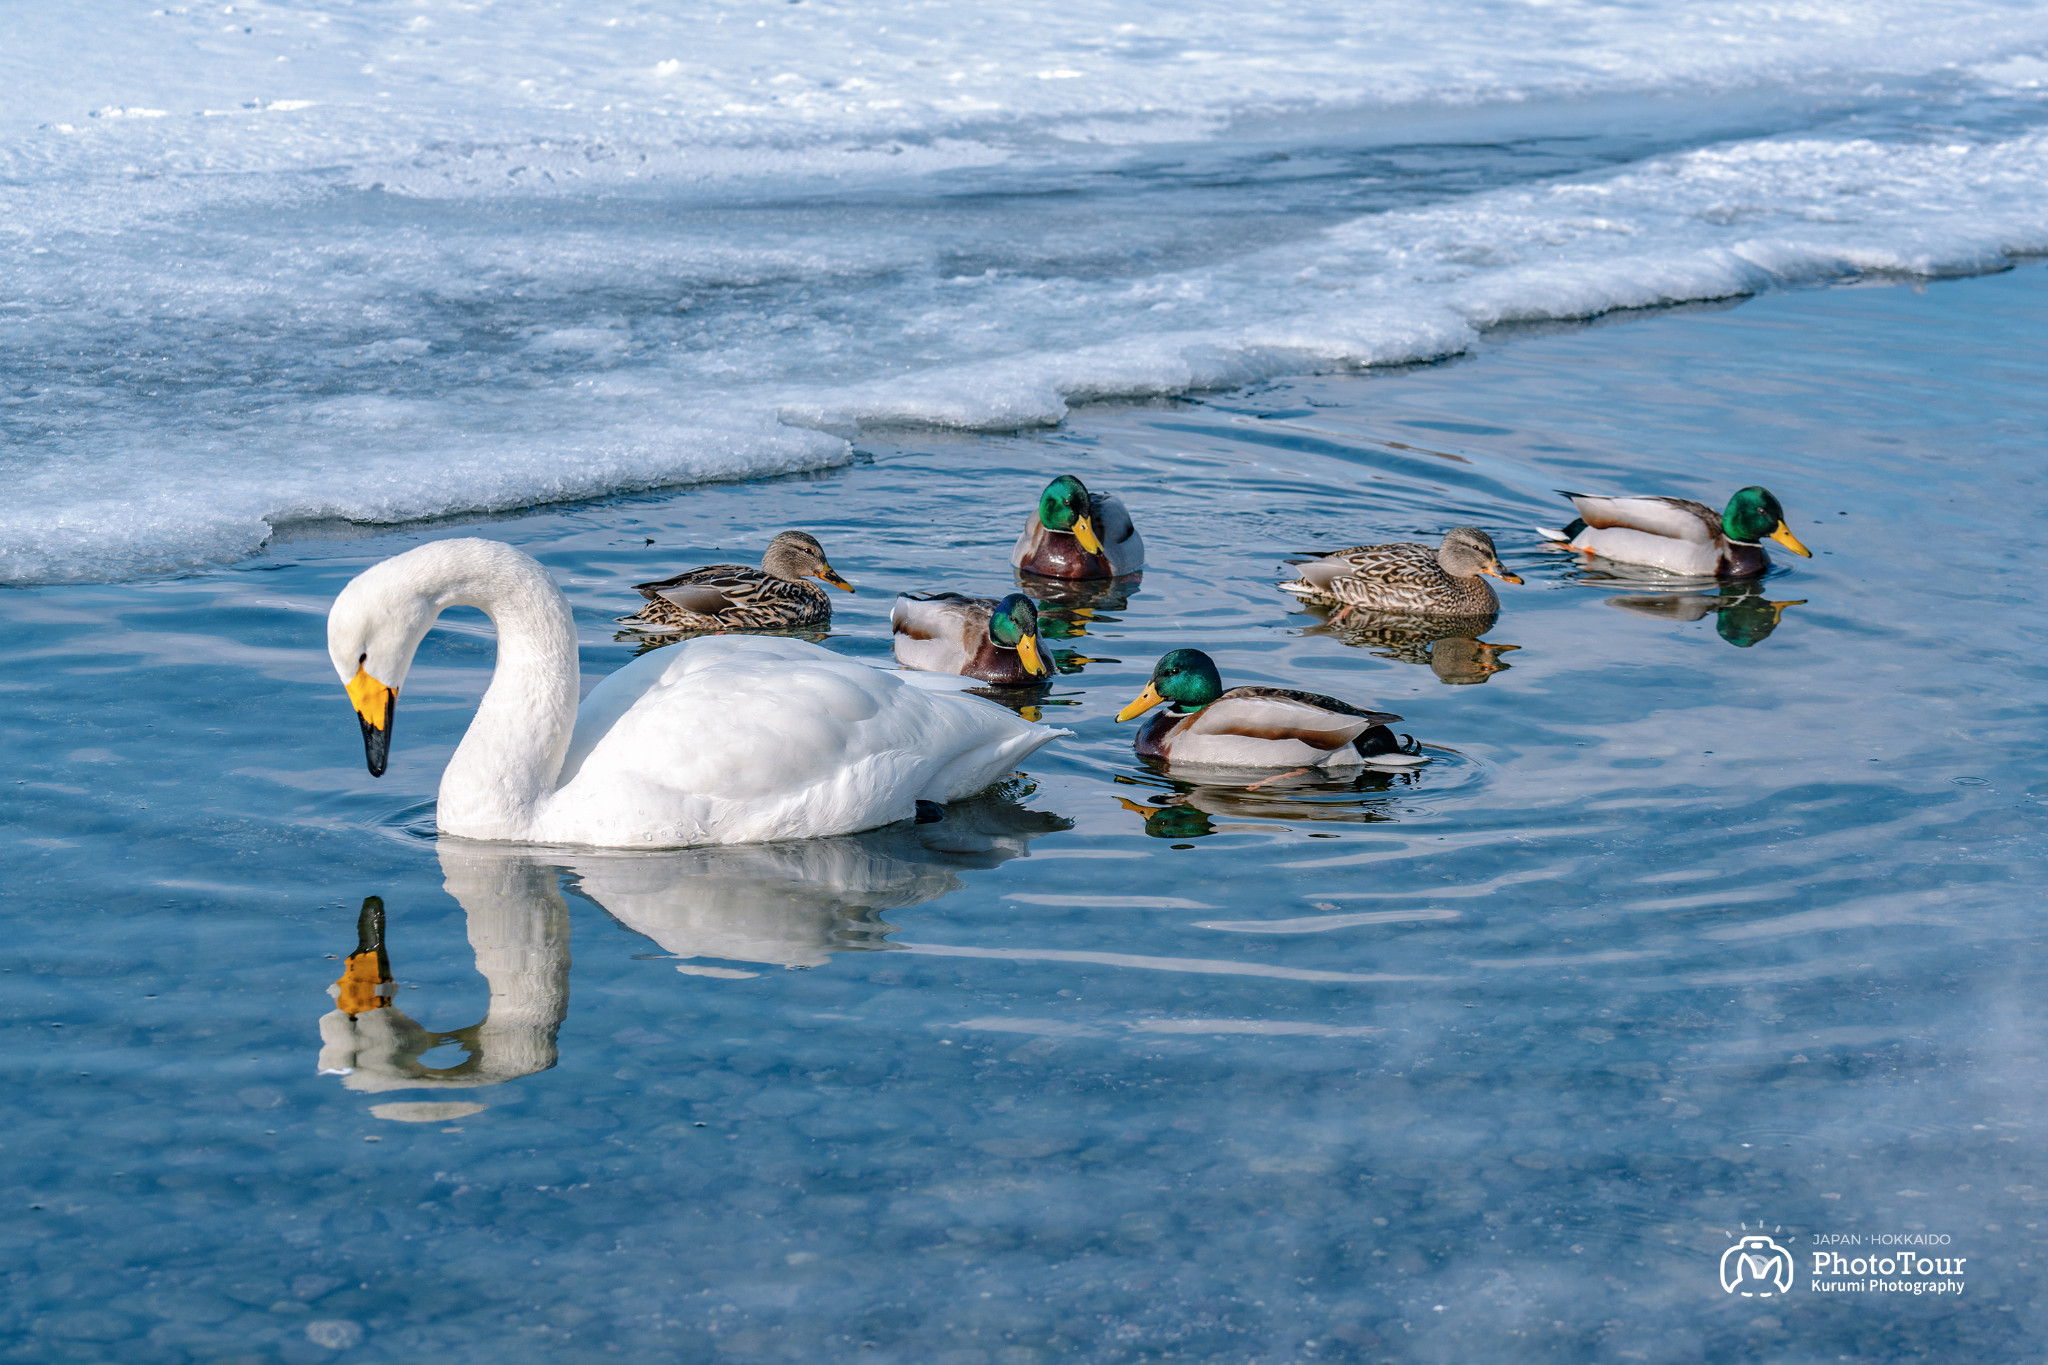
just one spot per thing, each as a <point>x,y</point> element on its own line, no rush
<point>507,765</point>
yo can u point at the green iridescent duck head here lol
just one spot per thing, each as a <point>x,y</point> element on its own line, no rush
<point>1014,625</point>
<point>1064,506</point>
<point>1748,619</point>
<point>1185,678</point>
<point>1753,514</point>
<point>1172,821</point>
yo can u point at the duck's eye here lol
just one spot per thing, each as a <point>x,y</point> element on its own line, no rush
<point>362,658</point>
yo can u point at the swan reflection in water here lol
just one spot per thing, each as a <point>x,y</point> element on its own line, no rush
<point>1743,616</point>
<point>790,905</point>
<point>1187,805</point>
<point>1450,646</point>
<point>519,929</point>
<point>794,904</point>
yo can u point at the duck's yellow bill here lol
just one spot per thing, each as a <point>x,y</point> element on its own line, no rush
<point>834,579</point>
<point>1034,662</point>
<point>1783,535</point>
<point>375,705</point>
<point>1084,531</point>
<point>1502,574</point>
<point>1142,703</point>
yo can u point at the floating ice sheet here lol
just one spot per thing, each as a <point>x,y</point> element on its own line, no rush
<point>379,262</point>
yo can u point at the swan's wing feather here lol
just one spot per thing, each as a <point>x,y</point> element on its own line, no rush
<point>620,692</point>
<point>747,738</point>
<point>1677,518</point>
<point>945,682</point>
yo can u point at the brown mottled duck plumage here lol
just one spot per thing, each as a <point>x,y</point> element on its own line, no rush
<point>776,596</point>
<point>1407,578</point>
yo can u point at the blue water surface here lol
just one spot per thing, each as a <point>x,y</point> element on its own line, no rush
<point>1713,911</point>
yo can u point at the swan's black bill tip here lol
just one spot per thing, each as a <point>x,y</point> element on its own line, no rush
<point>377,739</point>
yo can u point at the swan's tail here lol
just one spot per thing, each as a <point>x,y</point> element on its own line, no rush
<point>983,766</point>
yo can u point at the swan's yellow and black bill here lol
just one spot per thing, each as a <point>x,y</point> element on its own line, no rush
<point>831,576</point>
<point>1783,535</point>
<point>375,705</point>
<point>1034,662</point>
<point>1142,703</point>
<point>366,976</point>
<point>1084,531</point>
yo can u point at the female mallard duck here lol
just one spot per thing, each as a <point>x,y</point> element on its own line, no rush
<point>735,597</point>
<point>724,739</point>
<point>1410,579</point>
<point>1256,727</point>
<point>1679,535</point>
<point>1078,534</point>
<point>976,637</point>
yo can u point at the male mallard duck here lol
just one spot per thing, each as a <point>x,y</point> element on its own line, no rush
<point>735,597</point>
<point>1407,578</point>
<point>1679,535</point>
<point>724,739</point>
<point>976,637</point>
<point>1255,727</point>
<point>1078,534</point>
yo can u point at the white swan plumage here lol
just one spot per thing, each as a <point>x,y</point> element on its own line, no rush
<point>728,739</point>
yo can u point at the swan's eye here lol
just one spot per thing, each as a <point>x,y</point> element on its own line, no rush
<point>362,658</point>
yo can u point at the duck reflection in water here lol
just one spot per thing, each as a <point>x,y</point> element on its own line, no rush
<point>1180,808</point>
<point>1743,616</point>
<point>790,904</point>
<point>1449,646</point>
<point>1067,608</point>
